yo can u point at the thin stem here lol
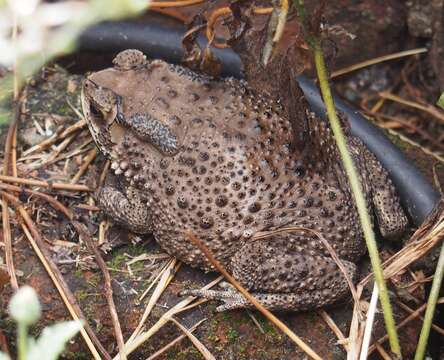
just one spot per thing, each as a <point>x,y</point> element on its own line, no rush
<point>22,333</point>
<point>356,188</point>
<point>300,8</point>
<point>431,304</point>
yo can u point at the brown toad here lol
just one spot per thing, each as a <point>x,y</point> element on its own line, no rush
<point>216,157</point>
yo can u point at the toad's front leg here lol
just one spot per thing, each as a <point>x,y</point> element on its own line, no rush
<point>284,273</point>
<point>125,208</point>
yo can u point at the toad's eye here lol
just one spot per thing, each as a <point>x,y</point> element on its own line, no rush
<point>93,110</point>
<point>96,115</point>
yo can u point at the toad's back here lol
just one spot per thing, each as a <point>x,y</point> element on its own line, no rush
<point>217,158</point>
<point>233,171</point>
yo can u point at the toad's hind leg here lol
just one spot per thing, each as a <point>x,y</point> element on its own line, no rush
<point>284,273</point>
<point>385,202</point>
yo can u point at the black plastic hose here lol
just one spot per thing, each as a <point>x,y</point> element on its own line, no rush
<point>160,37</point>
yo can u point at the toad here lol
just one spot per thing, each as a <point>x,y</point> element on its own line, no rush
<point>216,157</point>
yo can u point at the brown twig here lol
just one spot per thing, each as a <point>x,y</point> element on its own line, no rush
<point>7,169</point>
<point>357,330</point>
<point>8,244</point>
<point>83,233</point>
<point>174,342</point>
<point>87,207</point>
<point>382,352</point>
<point>108,289</point>
<point>199,346</point>
<point>56,152</point>
<point>404,322</point>
<point>10,167</point>
<point>275,31</point>
<point>182,306</point>
<point>87,160</point>
<point>438,329</point>
<point>417,145</point>
<point>17,109</point>
<point>4,343</point>
<point>68,298</point>
<point>330,322</point>
<point>82,148</point>
<point>54,203</point>
<point>55,185</point>
<point>168,4</point>
<point>429,234</point>
<point>56,137</point>
<point>429,109</point>
<point>165,278</point>
<point>14,153</point>
<point>297,340</point>
<point>409,125</point>
<point>36,165</point>
<point>377,60</point>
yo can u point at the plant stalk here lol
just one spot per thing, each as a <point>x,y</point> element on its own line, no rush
<point>22,334</point>
<point>431,305</point>
<point>356,188</point>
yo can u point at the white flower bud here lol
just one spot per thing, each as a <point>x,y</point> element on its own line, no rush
<point>24,306</point>
<point>4,356</point>
<point>23,7</point>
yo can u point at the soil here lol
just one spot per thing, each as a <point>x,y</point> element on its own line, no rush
<point>50,103</point>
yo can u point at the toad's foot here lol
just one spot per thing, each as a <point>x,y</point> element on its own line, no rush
<point>278,301</point>
<point>232,299</point>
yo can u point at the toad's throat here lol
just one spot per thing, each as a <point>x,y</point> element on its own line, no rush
<point>117,133</point>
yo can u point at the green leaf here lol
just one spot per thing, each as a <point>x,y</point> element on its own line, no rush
<point>114,9</point>
<point>52,341</point>
<point>440,101</point>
